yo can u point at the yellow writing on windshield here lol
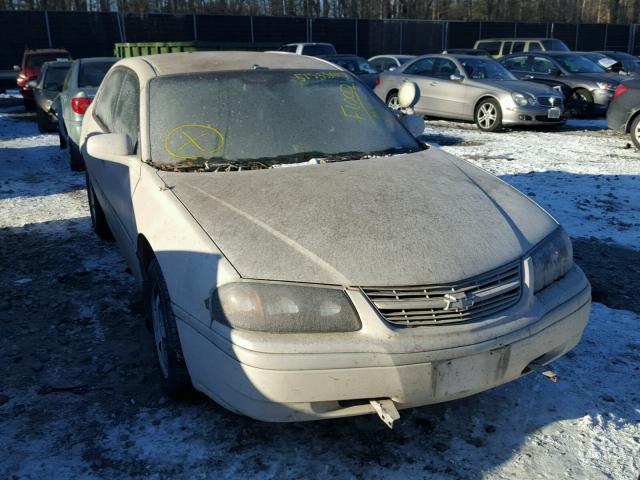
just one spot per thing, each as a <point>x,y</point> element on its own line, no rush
<point>353,106</point>
<point>192,140</point>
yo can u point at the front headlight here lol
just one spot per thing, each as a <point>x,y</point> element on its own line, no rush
<point>281,308</point>
<point>552,259</point>
<point>606,86</point>
<point>523,99</point>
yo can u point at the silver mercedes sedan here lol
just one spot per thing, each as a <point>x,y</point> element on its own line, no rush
<point>474,88</point>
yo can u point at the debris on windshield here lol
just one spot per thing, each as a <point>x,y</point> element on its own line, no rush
<point>312,161</point>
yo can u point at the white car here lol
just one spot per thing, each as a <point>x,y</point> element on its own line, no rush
<point>302,256</point>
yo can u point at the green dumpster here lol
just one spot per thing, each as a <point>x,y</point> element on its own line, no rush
<point>124,50</point>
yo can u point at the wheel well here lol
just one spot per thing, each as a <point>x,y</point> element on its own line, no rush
<point>395,90</point>
<point>145,255</point>
<point>630,121</point>
<point>486,97</point>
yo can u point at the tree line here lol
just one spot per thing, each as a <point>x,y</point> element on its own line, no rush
<point>588,11</point>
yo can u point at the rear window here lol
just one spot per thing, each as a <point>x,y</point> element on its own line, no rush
<point>36,60</point>
<point>92,73</point>
<point>492,47</point>
<point>555,45</point>
<point>55,78</point>
<point>319,50</point>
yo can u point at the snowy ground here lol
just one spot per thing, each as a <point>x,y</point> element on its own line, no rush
<point>78,397</point>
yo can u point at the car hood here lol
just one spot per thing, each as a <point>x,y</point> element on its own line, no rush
<point>519,86</point>
<point>422,218</point>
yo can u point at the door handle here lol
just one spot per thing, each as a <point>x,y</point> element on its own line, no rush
<point>433,84</point>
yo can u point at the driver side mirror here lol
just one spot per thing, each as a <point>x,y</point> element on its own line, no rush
<point>391,69</point>
<point>16,68</point>
<point>555,72</point>
<point>456,78</point>
<point>112,147</point>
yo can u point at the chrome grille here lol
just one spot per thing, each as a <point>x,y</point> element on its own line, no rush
<point>550,101</point>
<point>464,301</point>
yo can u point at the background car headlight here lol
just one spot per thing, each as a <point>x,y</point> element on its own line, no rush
<point>281,308</point>
<point>523,99</point>
<point>606,86</point>
<point>552,259</point>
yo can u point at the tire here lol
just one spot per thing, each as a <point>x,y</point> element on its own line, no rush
<point>581,102</point>
<point>61,137</point>
<point>488,115</point>
<point>392,101</point>
<point>635,131</point>
<point>174,375</point>
<point>76,162</point>
<point>41,121</point>
<point>98,220</point>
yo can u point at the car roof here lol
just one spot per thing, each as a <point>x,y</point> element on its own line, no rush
<point>97,59</point>
<point>514,38</point>
<point>58,63</point>
<point>307,43</point>
<point>45,50</point>
<point>176,63</point>
<point>338,56</point>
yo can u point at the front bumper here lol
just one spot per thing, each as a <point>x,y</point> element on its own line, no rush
<point>530,116</point>
<point>279,378</point>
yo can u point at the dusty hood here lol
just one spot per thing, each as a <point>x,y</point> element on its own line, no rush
<point>423,218</point>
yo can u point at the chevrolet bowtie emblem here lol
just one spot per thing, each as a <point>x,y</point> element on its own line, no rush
<point>458,301</point>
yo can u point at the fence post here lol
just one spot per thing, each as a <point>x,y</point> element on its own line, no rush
<point>606,34</point>
<point>631,44</point>
<point>195,28</point>
<point>46,21</point>
<point>356,20</point>
<point>575,47</point>
<point>253,38</point>
<point>401,36</point>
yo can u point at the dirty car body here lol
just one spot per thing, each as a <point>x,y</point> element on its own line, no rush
<point>332,266</point>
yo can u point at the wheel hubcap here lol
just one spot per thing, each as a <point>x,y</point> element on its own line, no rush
<point>159,332</point>
<point>487,115</point>
<point>393,103</point>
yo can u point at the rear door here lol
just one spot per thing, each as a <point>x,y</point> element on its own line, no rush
<point>421,72</point>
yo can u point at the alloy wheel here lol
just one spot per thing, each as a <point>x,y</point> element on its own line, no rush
<point>393,103</point>
<point>487,115</point>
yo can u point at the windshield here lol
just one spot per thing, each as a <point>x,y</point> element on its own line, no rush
<point>92,73</point>
<point>318,50</point>
<point>38,59</point>
<point>485,69</point>
<point>555,45</point>
<point>578,64</point>
<point>357,66</point>
<point>268,117</point>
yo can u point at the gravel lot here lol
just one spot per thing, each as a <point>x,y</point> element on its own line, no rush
<point>79,398</point>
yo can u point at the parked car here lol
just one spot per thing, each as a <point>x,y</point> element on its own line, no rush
<point>466,51</point>
<point>360,67</point>
<point>499,47</point>
<point>630,63</point>
<point>46,88</point>
<point>474,88</point>
<point>591,87</point>
<point>623,114</point>
<point>79,88</point>
<point>29,69</point>
<point>309,48</point>
<point>608,63</point>
<point>384,63</point>
<point>328,265</point>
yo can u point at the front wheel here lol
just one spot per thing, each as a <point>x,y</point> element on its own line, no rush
<point>174,375</point>
<point>488,115</point>
<point>635,131</point>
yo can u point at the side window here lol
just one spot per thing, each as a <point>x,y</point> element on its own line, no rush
<point>107,98</point>
<point>125,118</point>
<point>517,47</point>
<point>389,63</point>
<point>542,65</point>
<point>535,47</point>
<point>492,47</point>
<point>422,67</point>
<point>444,68</point>
<point>506,48</point>
<point>516,63</point>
